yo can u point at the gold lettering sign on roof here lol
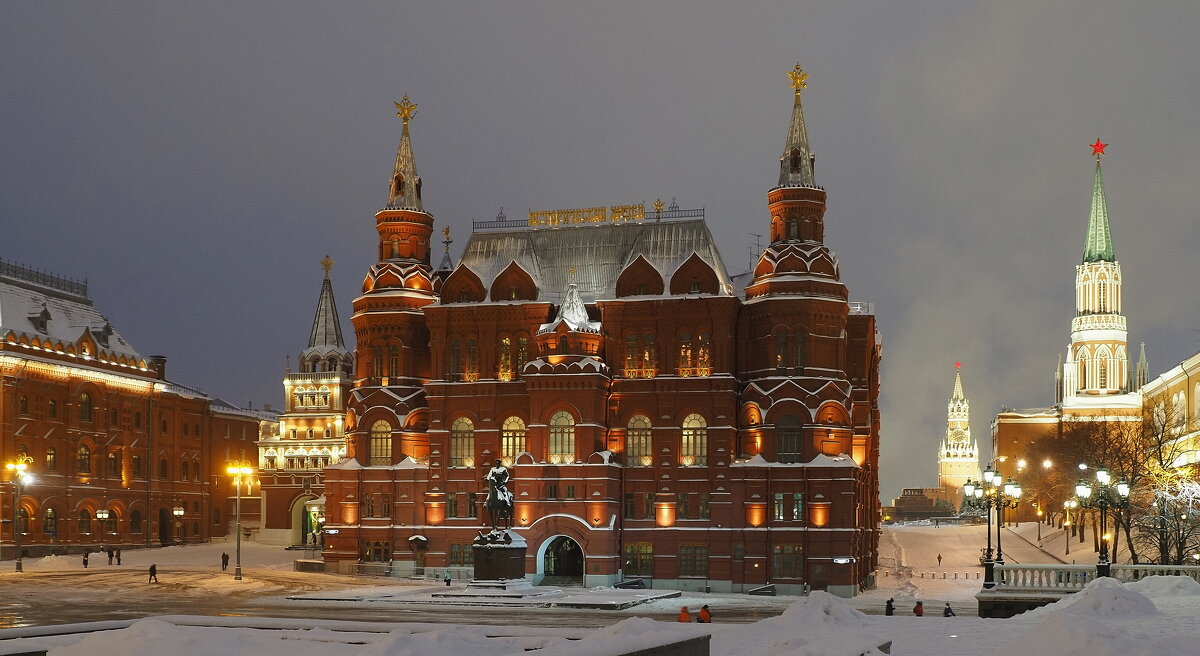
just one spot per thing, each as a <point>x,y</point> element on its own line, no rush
<point>614,214</point>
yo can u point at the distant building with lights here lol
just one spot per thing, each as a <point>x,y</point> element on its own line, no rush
<point>101,428</point>
<point>311,434</point>
<point>662,419</point>
<point>1095,381</point>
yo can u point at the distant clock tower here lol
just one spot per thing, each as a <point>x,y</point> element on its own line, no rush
<point>958,456</point>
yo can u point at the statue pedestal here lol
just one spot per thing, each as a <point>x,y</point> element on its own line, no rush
<point>499,560</point>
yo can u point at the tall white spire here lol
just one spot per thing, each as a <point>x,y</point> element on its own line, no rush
<point>958,454</point>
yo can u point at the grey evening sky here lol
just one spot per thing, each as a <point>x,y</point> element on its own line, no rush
<point>195,161</point>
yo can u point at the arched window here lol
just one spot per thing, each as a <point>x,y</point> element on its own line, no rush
<point>51,459</point>
<point>472,370</point>
<point>23,405</point>
<point>52,409</point>
<point>50,522</point>
<point>512,439</point>
<point>85,407</point>
<point>454,362</point>
<point>462,443</point>
<point>183,470</point>
<point>135,463</point>
<point>632,356</point>
<point>788,442</point>
<point>799,352</point>
<point>83,460</point>
<point>164,469</point>
<point>135,521</point>
<point>781,354</point>
<point>381,443</point>
<point>693,450</point>
<point>377,369</point>
<point>1102,372</point>
<point>114,464</point>
<point>1102,292</point>
<point>522,355</point>
<point>637,442</point>
<point>393,361</point>
<point>562,438</point>
<point>686,355</point>
<point>196,470</point>
<point>703,355</point>
<point>504,363</point>
<point>649,356</point>
<point>85,521</point>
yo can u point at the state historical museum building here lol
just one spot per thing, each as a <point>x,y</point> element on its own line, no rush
<point>661,419</point>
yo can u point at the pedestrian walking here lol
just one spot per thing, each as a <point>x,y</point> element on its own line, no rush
<point>889,608</point>
<point>85,558</point>
<point>919,609</point>
<point>806,589</point>
<point>939,560</point>
<point>447,578</point>
<point>153,573</point>
<point>948,611</point>
<point>118,555</point>
<point>704,616</point>
<point>685,616</point>
<point>110,555</point>
<point>224,561</point>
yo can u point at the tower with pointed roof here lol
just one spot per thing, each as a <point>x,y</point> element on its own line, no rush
<point>958,453</point>
<point>387,404</point>
<point>1096,368</point>
<point>312,431</point>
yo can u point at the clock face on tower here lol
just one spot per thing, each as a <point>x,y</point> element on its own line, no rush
<point>958,435</point>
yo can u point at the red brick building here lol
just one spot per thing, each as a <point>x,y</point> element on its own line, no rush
<point>661,419</point>
<point>101,428</point>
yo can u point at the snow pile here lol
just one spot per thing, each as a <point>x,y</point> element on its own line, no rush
<point>635,634</point>
<point>822,609</point>
<point>150,636</point>
<point>1104,598</point>
<point>1066,634</point>
<point>818,625</point>
<point>447,640</point>
<point>1166,586</point>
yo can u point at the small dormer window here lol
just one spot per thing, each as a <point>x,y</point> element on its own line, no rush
<point>463,297</point>
<point>695,285</point>
<point>40,320</point>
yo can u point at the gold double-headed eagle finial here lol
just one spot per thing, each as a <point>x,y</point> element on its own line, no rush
<point>658,206</point>
<point>799,78</point>
<point>327,264</point>
<point>406,110</point>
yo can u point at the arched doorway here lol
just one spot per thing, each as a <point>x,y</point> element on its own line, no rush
<point>164,527</point>
<point>562,562</point>
<point>307,517</point>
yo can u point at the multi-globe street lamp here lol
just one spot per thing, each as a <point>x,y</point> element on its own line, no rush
<point>178,512</point>
<point>238,471</point>
<point>990,493</point>
<point>102,519</point>
<point>18,473</point>
<point>1104,494</point>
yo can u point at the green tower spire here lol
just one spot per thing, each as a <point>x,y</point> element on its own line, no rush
<point>1099,245</point>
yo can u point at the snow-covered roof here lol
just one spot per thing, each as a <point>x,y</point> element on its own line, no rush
<point>820,460</point>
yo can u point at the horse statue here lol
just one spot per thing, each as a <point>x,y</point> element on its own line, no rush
<point>499,502</point>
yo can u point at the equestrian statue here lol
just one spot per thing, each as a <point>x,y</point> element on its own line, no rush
<point>499,502</point>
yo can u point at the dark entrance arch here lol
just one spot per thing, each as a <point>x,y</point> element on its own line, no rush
<point>164,527</point>
<point>563,562</point>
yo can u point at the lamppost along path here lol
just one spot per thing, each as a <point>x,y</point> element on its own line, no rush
<point>18,472</point>
<point>1104,495</point>
<point>238,471</point>
<point>992,492</point>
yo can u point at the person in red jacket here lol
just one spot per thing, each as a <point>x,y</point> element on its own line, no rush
<point>684,615</point>
<point>704,616</point>
<point>919,609</point>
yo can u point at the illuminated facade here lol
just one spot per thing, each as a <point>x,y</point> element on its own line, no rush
<point>102,429</point>
<point>311,433</point>
<point>663,419</point>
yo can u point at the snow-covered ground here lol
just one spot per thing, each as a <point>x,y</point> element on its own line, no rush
<point>1154,617</point>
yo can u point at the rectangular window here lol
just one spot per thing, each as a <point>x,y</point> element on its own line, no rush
<point>552,490</point>
<point>777,507</point>
<point>452,505</point>
<point>681,506</point>
<point>630,506</point>
<point>705,501</point>
<point>570,491</point>
<point>472,371</point>
<point>781,352</point>
<point>472,508</point>
<point>639,559</point>
<point>787,562</point>
<point>798,507</point>
<point>693,560</point>
<point>461,555</point>
<point>739,552</point>
<point>649,505</point>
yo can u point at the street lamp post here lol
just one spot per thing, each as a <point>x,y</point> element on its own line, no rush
<point>1104,495</point>
<point>178,512</point>
<point>17,471</point>
<point>102,519</point>
<point>238,471</point>
<point>994,496</point>
<point>1068,506</point>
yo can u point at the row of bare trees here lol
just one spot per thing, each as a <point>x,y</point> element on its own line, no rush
<point>1161,522</point>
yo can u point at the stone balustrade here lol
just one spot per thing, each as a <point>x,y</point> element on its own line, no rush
<point>1060,579</point>
<point>1126,573</point>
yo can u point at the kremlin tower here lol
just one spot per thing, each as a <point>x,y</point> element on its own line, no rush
<point>958,455</point>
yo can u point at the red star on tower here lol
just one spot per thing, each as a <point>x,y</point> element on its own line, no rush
<point>1098,148</point>
<point>958,365</point>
